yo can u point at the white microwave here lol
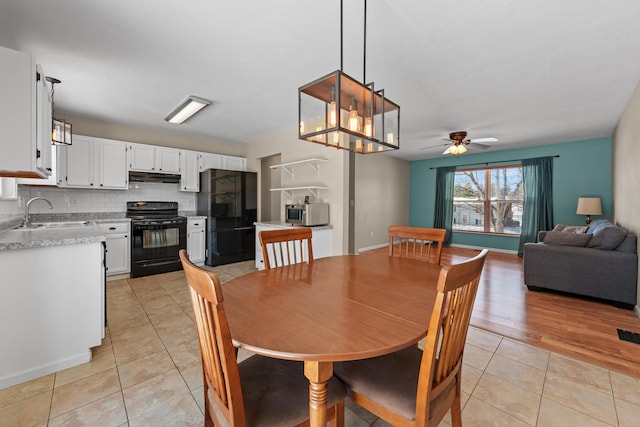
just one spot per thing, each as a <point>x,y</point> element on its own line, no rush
<point>307,214</point>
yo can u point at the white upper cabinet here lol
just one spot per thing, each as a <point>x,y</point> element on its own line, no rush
<point>151,158</point>
<point>210,161</point>
<point>25,117</point>
<point>221,161</point>
<point>111,164</point>
<point>234,163</point>
<point>142,157</point>
<point>93,163</point>
<point>167,160</point>
<point>189,171</point>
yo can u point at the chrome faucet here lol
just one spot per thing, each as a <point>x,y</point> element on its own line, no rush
<point>27,219</point>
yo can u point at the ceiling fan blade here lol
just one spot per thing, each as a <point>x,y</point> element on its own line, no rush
<point>480,146</point>
<point>432,146</point>
<point>480,140</point>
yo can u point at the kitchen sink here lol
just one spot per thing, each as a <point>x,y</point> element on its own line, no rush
<point>58,224</point>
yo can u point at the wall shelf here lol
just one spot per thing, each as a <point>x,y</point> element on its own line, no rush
<point>288,167</point>
<point>313,189</point>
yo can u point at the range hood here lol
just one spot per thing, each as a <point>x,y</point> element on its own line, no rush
<point>167,178</point>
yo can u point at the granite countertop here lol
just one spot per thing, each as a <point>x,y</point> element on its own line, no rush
<point>280,224</point>
<point>46,237</point>
<point>12,238</point>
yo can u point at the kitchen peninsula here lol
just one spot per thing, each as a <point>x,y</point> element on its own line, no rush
<point>52,308</point>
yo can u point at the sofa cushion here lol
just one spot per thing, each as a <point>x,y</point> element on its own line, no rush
<point>629,244</point>
<point>560,238</point>
<point>570,228</point>
<point>607,237</point>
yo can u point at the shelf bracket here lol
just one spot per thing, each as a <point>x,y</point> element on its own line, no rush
<point>315,192</point>
<point>288,170</point>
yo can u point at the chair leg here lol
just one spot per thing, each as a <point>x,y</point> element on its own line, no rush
<point>456,405</point>
<point>335,415</point>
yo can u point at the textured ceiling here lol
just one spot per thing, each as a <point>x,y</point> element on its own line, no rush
<point>527,72</point>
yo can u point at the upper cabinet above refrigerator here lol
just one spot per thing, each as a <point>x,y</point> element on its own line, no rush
<point>25,117</point>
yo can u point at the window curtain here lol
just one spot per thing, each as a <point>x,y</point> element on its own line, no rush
<point>537,176</point>
<point>444,201</point>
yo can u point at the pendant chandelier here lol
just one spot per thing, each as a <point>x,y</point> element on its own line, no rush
<point>60,129</point>
<point>338,111</point>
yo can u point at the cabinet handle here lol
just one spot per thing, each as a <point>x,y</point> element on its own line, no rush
<point>101,185</point>
<point>112,228</point>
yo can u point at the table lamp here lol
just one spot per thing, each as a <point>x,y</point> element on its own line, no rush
<point>589,206</point>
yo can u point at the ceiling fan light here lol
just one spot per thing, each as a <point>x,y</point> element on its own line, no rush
<point>462,149</point>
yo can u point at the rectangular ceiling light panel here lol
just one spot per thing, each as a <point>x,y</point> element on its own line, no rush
<point>186,110</point>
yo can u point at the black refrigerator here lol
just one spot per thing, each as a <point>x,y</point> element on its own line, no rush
<point>229,201</point>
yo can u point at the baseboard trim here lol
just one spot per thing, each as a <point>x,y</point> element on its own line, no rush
<point>370,248</point>
<point>479,248</point>
<point>42,370</point>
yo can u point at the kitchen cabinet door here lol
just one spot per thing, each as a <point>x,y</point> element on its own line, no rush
<point>167,160</point>
<point>118,246</point>
<point>196,240</point>
<point>111,163</point>
<point>78,163</point>
<point>189,171</point>
<point>142,157</point>
<point>234,163</point>
<point>210,161</point>
<point>25,117</point>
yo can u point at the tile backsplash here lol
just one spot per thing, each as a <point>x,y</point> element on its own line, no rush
<point>67,200</point>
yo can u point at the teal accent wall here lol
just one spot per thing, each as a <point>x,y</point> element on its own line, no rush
<point>582,170</point>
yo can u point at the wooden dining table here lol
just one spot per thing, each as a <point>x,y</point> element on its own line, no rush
<point>333,309</point>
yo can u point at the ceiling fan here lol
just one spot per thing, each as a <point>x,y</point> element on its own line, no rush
<point>458,143</point>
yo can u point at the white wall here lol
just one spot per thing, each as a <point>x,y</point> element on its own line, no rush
<point>382,198</point>
<point>626,175</point>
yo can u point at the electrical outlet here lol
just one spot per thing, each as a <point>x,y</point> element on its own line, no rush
<point>372,234</point>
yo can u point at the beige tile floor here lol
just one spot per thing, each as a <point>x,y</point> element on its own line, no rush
<point>147,373</point>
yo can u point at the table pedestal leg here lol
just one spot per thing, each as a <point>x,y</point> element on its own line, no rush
<point>318,373</point>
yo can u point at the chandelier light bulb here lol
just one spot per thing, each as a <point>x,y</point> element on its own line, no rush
<point>354,120</point>
<point>332,114</point>
<point>368,127</point>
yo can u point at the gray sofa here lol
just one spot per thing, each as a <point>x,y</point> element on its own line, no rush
<point>601,263</point>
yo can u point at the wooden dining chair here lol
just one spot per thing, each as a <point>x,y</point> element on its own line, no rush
<point>257,391</point>
<point>413,387</point>
<point>286,246</point>
<point>416,243</point>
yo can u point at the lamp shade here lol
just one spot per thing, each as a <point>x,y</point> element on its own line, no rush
<point>589,206</point>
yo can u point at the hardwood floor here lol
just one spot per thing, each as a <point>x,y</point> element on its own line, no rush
<point>576,327</point>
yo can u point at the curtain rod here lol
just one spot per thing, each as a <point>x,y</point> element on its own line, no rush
<point>497,161</point>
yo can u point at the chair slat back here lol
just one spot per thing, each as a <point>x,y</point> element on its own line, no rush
<point>286,246</point>
<point>444,346</point>
<point>219,363</point>
<point>423,244</point>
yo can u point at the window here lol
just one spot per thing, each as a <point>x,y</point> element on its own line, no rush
<point>488,200</point>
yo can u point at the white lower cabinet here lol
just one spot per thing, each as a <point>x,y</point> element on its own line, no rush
<point>321,242</point>
<point>51,310</point>
<point>196,239</point>
<point>118,238</point>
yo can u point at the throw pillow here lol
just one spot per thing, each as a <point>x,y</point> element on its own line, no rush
<point>596,224</point>
<point>607,237</point>
<point>560,238</point>
<point>570,228</point>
